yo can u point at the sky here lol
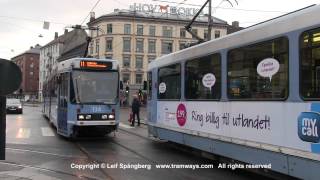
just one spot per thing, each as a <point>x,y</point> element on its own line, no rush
<point>21,21</point>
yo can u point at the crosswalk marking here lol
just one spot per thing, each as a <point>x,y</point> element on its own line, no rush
<point>47,131</point>
<point>125,126</point>
<point>23,133</point>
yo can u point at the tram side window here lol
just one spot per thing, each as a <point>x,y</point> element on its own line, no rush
<point>310,64</point>
<point>203,78</point>
<point>149,85</point>
<point>169,82</point>
<point>64,90</point>
<point>259,71</point>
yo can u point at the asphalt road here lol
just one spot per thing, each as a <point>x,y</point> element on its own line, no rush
<point>35,151</point>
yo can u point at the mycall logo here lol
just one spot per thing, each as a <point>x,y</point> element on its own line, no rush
<point>309,126</point>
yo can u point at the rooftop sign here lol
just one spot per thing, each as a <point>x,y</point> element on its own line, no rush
<point>176,10</point>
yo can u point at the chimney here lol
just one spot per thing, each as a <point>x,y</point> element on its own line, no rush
<point>92,16</point>
<point>56,35</point>
<point>235,24</point>
<point>65,31</point>
<point>31,47</point>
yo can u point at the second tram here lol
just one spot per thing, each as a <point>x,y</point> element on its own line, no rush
<point>252,96</point>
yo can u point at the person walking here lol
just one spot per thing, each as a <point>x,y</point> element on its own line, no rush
<point>135,110</point>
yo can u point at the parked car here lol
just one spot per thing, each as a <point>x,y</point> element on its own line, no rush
<point>14,105</point>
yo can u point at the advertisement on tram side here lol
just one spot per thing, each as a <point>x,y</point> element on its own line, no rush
<point>289,125</point>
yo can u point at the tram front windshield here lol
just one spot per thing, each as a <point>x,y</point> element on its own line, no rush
<point>95,87</point>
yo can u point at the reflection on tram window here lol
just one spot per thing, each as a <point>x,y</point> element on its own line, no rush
<point>259,71</point>
<point>169,82</point>
<point>92,87</point>
<point>310,64</point>
<point>203,78</point>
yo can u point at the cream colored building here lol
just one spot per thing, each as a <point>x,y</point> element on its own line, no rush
<point>136,38</point>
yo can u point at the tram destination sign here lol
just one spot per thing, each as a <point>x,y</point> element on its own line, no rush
<point>95,65</point>
<point>166,9</point>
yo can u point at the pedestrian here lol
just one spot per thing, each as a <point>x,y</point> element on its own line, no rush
<point>135,110</point>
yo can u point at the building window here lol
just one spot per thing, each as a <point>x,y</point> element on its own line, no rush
<point>182,45</point>
<point>151,58</point>
<point>167,31</point>
<point>97,46</point>
<point>205,34</point>
<point>152,46</point>
<point>140,30</point>
<point>208,68</point>
<point>139,62</point>
<point>127,29</point>
<point>182,33</point>
<point>126,61</point>
<point>248,68</point>
<point>169,86</point>
<point>109,28</point>
<point>91,47</point>
<point>152,31</point>
<point>166,47</point>
<point>31,65</point>
<point>216,34</point>
<point>126,45</point>
<point>138,78</point>
<point>31,73</point>
<point>139,45</point>
<point>108,45</point>
<point>310,64</point>
<point>126,78</point>
<point>195,31</point>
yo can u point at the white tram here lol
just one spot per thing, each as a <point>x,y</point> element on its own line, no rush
<point>253,96</point>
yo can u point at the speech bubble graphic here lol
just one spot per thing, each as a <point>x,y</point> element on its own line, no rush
<point>162,87</point>
<point>268,67</point>
<point>208,80</point>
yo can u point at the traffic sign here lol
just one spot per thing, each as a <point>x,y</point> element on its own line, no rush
<point>10,77</point>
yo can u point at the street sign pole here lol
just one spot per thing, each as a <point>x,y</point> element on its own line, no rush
<point>2,127</point>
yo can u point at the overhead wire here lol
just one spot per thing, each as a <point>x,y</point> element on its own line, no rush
<point>95,5</point>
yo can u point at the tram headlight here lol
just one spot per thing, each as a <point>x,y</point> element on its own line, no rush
<point>111,116</point>
<point>81,117</point>
<point>88,116</point>
<point>105,116</point>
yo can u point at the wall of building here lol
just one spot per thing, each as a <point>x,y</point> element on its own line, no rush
<point>118,36</point>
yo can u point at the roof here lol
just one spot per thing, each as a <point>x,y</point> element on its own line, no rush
<point>157,16</point>
<point>32,50</point>
<point>75,44</point>
<point>60,39</point>
<point>306,18</point>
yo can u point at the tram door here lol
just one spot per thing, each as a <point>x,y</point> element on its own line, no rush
<point>63,103</point>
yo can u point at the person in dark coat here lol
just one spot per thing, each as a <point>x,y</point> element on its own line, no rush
<point>135,110</point>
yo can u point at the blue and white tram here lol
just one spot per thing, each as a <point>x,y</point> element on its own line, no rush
<point>253,96</point>
<point>83,96</point>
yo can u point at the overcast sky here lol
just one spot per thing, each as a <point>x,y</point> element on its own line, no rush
<point>21,21</point>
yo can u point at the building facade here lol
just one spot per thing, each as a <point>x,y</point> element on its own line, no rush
<point>49,54</point>
<point>28,63</point>
<point>136,38</point>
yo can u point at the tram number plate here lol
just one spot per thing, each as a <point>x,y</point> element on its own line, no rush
<point>96,109</point>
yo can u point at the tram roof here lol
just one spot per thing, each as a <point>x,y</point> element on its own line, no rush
<point>300,19</point>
